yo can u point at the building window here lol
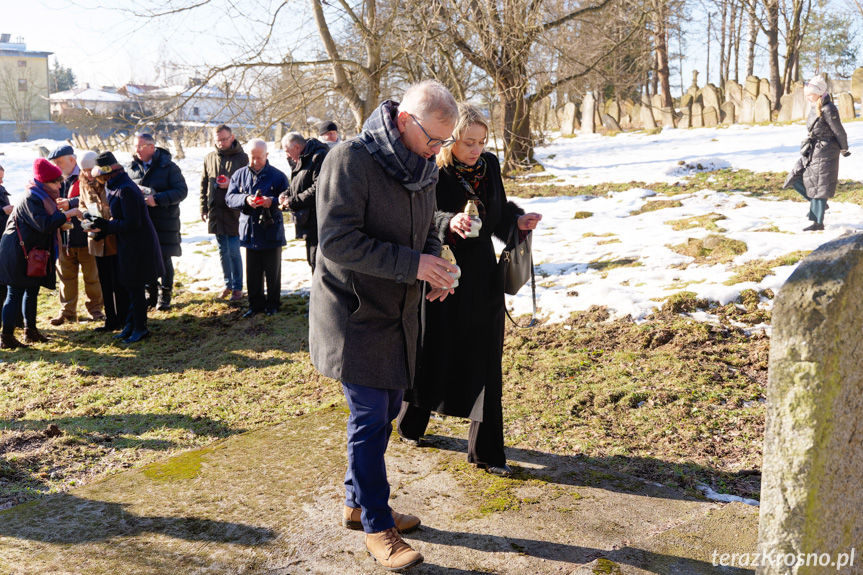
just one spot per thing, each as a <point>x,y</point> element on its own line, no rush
<point>196,111</point>
<point>22,85</point>
<point>22,63</point>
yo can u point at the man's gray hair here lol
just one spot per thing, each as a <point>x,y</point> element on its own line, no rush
<point>256,144</point>
<point>146,137</point>
<point>430,98</point>
<point>293,138</point>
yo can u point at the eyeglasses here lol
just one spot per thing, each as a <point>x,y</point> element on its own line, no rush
<point>433,142</point>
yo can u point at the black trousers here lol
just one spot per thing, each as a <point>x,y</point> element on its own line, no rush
<point>264,265</point>
<point>137,314</point>
<point>484,438</point>
<point>116,297</point>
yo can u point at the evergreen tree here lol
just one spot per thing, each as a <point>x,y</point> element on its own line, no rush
<point>829,44</point>
<point>61,78</point>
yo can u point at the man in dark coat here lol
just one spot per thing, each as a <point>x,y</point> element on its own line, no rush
<point>75,252</point>
<point>224,222</point>
<point>307,157</point>
<point>164,187</point>
<point>375,204</point>
<point>254,190</point>
<point>328,133</point>
<point>5,209</point>
<point>139,256</point>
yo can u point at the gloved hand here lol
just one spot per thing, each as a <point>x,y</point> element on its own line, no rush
<point>845,153</point>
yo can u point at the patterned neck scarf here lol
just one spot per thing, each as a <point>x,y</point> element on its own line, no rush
<point>472,178</point>
<point>382,139</point>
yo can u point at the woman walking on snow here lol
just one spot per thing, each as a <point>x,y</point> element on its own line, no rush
<point>816,173</point>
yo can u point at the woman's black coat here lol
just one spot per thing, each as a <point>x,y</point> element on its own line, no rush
<point>140,258</point>
<point>38,229</point>
<point>461,346</point>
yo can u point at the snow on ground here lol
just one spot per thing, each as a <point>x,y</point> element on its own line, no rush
<point>562,253</point>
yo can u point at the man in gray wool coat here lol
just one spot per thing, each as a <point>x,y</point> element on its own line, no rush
<point>377,243</point>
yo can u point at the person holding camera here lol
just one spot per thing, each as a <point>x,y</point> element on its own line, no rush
<point>32,236</point>
<point>219,166</point>
<point>816,174</point>
<point>254,190</point>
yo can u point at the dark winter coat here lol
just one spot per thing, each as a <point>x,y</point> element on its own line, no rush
<point>170,189</point>
<point>304,183</point>
<point>38,229</point>
<point>255,233</point>
<point>462,343</point>
<point>221,220</point>
<point>363,318</point>
<point>4,201</point>
<point>820,170</point>
<point>139,254</point>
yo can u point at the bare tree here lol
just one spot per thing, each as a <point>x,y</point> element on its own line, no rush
<point>21,93</point>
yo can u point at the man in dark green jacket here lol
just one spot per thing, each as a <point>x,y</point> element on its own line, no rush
<point>219,166</point>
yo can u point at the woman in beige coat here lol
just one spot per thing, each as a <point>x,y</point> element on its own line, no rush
<point>94,202</point>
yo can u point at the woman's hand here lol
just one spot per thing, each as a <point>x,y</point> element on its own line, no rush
<point>528,222</point>
<point>8,209</point>
<point>73,213</point>
<point>439,294</point>
<point>460,224</point>
<point>62,203</point>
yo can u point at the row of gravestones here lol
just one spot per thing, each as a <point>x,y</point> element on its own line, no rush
<point>750,102</point>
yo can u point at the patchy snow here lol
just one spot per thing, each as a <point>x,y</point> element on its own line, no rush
<point>725,498</point>
<point>565,247</point>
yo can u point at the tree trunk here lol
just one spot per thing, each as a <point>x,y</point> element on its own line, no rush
<point>772,13</point>
<point>517,143</point>
<point>752,27</point>
<point>661,44</point>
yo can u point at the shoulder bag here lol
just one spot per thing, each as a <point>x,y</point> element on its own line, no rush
<point>37,258</point>
<point>516,262</point>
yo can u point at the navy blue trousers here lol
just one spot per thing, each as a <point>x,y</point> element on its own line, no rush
<point>369,429</point>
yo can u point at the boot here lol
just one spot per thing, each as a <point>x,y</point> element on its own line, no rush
<point>61,318</point>
<point>8,341</point>
<point>33,335</point>
<point>127,331</point>
<point>152,295</point>
<point>351,518</point>
<point>164,301</point>
<point>390,550</point>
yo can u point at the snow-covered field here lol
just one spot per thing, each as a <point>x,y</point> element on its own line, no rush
<point>562,253</point>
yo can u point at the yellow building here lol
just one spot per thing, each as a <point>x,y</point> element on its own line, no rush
<point>23,85</point>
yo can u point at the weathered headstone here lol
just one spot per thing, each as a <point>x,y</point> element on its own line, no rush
<point>751,87</point>
<point>787,103</point>
<point>559,113</point>
<point>610,123</point>
<point>693,89</point>
<point>845,103</point>
<point>647,117</point>
<point>685,118</point>
<point>747,111</point>
<point>686,100</point>
<point>612,108</point>
<point>625,121</point>
<point>697,120</point>
<point>726,113</point>
<point>667,114</point>
<point>710,96</point>
<point>567,124</point>
<point>629,108</point>
<point>710,116</point>
<point>656,102</point>
<point>588,110</point>
<point>857,84</point>
<point>762,112</point>
<point>799,109</point>
<point>764,88</point>
<point>734,93</point>
<point>811,501</point>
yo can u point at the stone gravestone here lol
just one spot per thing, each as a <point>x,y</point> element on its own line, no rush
<point>734,93</point>
<point>747,111</point>
<point>567,124</point>
<point>686,100</point>
<point>726,113</point>
<point>799,108</point>
<point>787,103</point>
<point>610,123</point>
<point>588,110</point>
<point>857,85</point>
<point>751,87</point>
<point>559,113</point>
<point>762,112</point>
<point>612,108</point>
<point>629,108</point>
<point>764,88</point>
<point>710,116</point>
<point>667,114</point>
<point>710,96</point>
<point>845,103</point>
<point>647,117</point>
<point>811,500</point>
<point>697,120</point>
<point>693,89</point>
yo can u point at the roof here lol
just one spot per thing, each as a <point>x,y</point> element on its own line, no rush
<point>193,92</point>
<point>89,95</point>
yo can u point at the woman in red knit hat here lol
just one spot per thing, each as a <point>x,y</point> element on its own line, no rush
<point>35,222</point>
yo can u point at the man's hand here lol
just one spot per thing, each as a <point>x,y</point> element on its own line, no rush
<point>439,294</point>
<point>460,224</point>
<point>204,217</point>
<point>435,270</point>
<point>8,209</point>
<point>73,213</point>
<point>150,201</point>
<point>266,202</point>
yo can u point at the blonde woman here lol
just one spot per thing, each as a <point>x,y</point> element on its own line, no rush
<point>816,173</point>
<point>459,368</point>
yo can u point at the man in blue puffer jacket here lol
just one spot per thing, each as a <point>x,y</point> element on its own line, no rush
<point>255,191</point>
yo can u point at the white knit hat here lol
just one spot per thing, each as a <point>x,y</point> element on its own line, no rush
<point>816,86</point>
<point>87,160</point>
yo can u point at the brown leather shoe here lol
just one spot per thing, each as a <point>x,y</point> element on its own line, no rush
<point>390,550</point>
<point>33,335</point>
<point>237,295</point>
<point>226,293</point>
<point>405,523</point>
<point>60,318</point>
<point>8,341</point>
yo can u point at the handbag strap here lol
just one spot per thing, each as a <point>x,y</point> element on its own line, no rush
<point>20,238</point>
<point>513,235</point>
